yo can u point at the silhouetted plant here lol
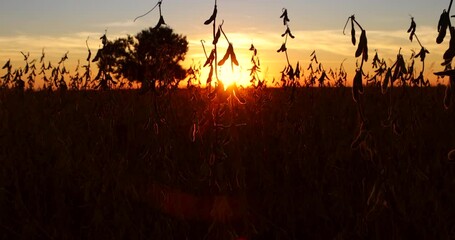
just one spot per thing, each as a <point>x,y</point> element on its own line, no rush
<point>362,50</point>
<point>46,83</point>
<point>160,21</point>
<point>194,75</point>
<point>398,71</point>
<point>32,75</point>
<point>357,86</point>
<point>29,69</point>
<point>87,77</point>
<point>380,69</point>
<point>212,61</point>
<point>317,73</point>
<point>422,55</point>
<point>444,24</point>
<point>106,60</point>
<point>59,73</point>
<point>18,83</point>
<point>255,81</point>
<point>312,75</point>
<point>339,75</point>
<point>76,80</point>
<point>288,75</point>
<point>8,77</point>
<point>212,58</point>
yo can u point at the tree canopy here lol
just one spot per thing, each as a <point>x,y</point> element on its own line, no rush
<point>152,57</point>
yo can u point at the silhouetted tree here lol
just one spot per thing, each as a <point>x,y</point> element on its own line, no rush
<point>152,57</point>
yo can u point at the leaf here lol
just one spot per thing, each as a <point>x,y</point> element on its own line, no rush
<point>365,48</point>
<point>422,54</point>
<point>400,68</point>
<point>103,40</point>
<point>217,36</point>
<point>97,56</point>
<point>353,39</point>
<point>362,49</point>
<point>160,22</point>
<point>446,73</point>
<point>210,58</point>
<point>7,64</point>
<point>98,76</point>
<point>412,29</point>
<point>376,60</point>
<point>357,86</point>
<point>413,25</point>
<point>443,24</point>
<point>26,56</point>
<point>282,48</point>
<point>288,32</point>
<point>229,53</point>
<point>285,17</point>
<point>89,55</point>
<point>359,50</point>
<point>297,70</point>
<point>359,81</point>
<point>450,53</point>
<point>225,58</point>
<point>42,56</point>
<point>385,83</point>
<point>213,17</point>
<point>291,73</point>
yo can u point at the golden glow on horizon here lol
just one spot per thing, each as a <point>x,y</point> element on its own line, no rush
<point>229,76</point>
<point>331,45</point>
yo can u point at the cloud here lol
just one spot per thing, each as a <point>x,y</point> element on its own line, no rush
<point>331,46</point>
<point>120,24</point>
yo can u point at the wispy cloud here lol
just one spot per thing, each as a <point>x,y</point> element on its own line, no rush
<point>119,24</point>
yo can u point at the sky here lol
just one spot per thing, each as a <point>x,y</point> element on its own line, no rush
<point>59,26</point>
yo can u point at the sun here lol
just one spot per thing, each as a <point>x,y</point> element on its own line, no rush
<point>236,75</point>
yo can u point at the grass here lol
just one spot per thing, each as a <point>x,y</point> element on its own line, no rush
<point>82,165</point>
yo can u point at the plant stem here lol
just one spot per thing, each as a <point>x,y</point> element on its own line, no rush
<point>417,38</point>
<point>224,34</point>
<point>448,12</point>
<point>216,52</point>
<point>203,47</point>
<point>357,23</point>
<point>287,57</point>
<point>286,52</point>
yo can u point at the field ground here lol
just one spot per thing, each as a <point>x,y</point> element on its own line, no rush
<point>125,165</point>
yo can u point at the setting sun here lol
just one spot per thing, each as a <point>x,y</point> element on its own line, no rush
<point>236,75</point>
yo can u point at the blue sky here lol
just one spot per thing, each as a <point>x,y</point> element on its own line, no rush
<point>64,25</point>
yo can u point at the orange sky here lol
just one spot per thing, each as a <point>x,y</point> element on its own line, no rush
<point>316,25</point>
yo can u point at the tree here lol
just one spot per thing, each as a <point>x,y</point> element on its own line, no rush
<point>152,57</point>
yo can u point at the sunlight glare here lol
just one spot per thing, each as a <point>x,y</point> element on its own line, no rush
<point>236,75</point>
